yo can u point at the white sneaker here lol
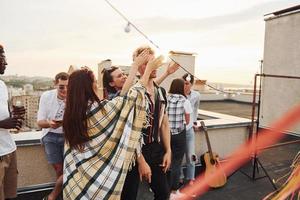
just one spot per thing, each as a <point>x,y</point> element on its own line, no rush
<point>177,195</point>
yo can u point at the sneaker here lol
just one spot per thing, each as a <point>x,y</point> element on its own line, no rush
<point>177,195</point>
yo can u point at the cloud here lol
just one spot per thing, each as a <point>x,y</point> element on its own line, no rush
<point>163,24</point>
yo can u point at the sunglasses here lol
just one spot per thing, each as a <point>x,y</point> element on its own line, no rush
<point>62,87</point>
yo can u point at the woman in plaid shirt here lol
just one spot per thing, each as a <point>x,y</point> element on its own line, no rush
<point>101,136</point>
<point>179,109</point>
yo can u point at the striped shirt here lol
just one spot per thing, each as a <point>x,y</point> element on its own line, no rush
<point>155,113</point>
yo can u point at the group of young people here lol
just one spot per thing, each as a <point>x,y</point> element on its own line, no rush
<point>136,132</point>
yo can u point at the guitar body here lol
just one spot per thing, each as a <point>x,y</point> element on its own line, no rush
<point>211,166</point>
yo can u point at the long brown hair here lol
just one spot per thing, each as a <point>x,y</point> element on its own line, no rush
<point>107,79</point>
<point>177,87</point>
<point>79,97</point>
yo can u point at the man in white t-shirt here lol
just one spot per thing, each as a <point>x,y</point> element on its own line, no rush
<point>194,98</point>
<point>8,159</point>
<point>50,116</point>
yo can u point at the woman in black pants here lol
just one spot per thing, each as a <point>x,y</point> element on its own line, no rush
<point>179,109</point>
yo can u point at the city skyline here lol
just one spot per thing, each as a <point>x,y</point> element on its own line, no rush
<point>43,38</point>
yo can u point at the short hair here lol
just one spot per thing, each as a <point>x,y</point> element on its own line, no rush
<point>139,50</point>
<point>1,49</point>
<point>191,78</point>
<point>61,76</point>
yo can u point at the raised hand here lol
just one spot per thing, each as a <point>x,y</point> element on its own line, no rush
<point>155,63</point>
<point>151,66</point>
<point>142,58</point>
<point>172,67</point>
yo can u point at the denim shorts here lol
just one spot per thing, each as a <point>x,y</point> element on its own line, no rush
<point>54,147</point>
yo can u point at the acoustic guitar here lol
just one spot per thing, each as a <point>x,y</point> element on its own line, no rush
<point>211,161</point>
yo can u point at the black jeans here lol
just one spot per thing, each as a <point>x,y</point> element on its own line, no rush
<point>153,154</point>
<point>178,145</point>
<point>131,185</point>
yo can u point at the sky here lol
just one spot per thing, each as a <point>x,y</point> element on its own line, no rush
<point>42,38</point>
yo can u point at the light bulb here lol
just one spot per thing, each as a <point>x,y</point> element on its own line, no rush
<point>127,28</point>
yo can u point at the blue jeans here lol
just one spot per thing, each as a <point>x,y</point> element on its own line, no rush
<point>54,147</point>
<point>190,154</point>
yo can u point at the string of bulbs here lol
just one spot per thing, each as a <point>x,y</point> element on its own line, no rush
<point>127,29</point>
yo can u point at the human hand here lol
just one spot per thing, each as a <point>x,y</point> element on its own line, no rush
<point>55,124</point>
<point>172,67</point>
<point>154,63</point>
<point>145,171</point>
<point>166,163</point>
<point>18,111</point>
<point>196,127</point>
<point>10,123</point>
<point>142,58</point>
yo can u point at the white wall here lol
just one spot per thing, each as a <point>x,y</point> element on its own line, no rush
<point>281,57</point>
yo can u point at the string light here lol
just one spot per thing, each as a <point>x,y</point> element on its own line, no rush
<point>127,29</point>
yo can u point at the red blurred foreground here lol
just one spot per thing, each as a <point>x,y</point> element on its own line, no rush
<point>243,154</point>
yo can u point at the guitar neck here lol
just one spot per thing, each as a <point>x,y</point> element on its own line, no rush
<point>207,139</point>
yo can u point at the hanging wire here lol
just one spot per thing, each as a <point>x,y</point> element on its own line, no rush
<point>154,44</point>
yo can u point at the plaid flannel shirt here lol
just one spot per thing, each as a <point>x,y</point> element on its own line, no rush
<point>98,172</point>
<point>176,112</point>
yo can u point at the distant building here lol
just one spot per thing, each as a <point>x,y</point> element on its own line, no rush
<point>28,89</point>
<point>124,68</point>
<point>14,92</point>
<point>31,104</point>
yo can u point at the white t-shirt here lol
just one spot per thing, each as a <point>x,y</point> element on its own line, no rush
<point>187,107</point>
<point>194,98</point>
<point>51,108</point>
<point>7,144</point>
